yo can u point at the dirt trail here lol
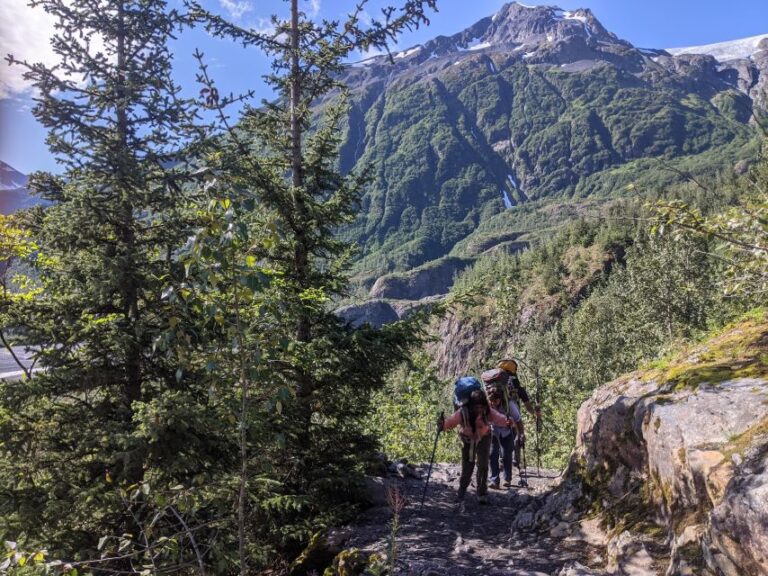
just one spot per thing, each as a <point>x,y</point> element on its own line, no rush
<point>446,538</point>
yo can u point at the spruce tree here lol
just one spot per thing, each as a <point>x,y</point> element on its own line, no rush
<point>105,413</point>
<point>310,375</point>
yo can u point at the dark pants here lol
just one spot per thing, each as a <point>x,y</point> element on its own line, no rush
<point>506,448</point>
<point>481,452</point>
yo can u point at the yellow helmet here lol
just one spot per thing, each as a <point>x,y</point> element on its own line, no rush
<point>508,366</point>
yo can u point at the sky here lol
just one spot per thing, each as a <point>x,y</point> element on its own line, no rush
<point>25,33</point>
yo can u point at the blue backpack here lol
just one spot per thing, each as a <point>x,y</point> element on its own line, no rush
<point>463,389</point>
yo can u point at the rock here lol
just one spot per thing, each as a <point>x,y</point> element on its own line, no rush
<point>690,454</point>
<point>461,547</point>
<point>375,490</point>
<point>639,564</point>
<point>589,531</point>
<point>523,521</point>
<point>739,523</point>
<point>431,279</point>
<point>318,554</point>
<point>576,569</point>
<point>560,531</point>
<point>628,556</point>
<point>405,470</point>
<point>373,312</point>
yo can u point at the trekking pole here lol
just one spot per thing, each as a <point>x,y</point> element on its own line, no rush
<point>523,469</point>
<point>431,462</point>
<point>538,426</point>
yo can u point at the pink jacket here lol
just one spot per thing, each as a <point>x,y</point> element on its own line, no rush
<point>482,428</point>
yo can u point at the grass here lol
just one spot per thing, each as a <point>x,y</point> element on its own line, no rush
<point>740,444</point>
<point>740,350</point>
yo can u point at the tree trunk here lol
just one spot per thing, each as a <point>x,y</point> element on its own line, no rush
<point>126,224</point>
<point>305,387</point>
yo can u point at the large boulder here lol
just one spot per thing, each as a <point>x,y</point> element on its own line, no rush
<point>686,447</point>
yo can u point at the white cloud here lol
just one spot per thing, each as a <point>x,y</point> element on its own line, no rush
<point>365,18</point>
<point>314,8</point>
<point>24,32</point>
<point>236,8</point>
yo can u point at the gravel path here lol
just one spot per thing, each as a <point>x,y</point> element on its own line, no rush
<point>446,539</point>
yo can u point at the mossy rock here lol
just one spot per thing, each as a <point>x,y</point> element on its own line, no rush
<point>315,557</point>
<point>355,562</point>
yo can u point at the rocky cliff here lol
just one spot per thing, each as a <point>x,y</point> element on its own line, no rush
<point>670,471</point>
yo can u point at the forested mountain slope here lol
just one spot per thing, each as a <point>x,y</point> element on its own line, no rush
<point>527,106</point>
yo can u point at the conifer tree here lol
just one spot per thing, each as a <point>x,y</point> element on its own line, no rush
<point>316,374</point>
<point>105,412</point>
<point>315,200</point>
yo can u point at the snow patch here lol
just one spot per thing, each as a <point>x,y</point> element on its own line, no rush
<point>507,201</point>
<point>512,180</point>
<point>474,44</point>
<point>574,16</point>
<point>724,51</point>
<point>407,53</point>
<point>364,63</point>
<point>579,18</point>
<point>492,66</point>
<point>481,46</point>
<point>528,55</point>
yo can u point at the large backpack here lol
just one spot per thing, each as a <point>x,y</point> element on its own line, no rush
<point>462,390</point>
<point>495,377</point>
<point>498,380</point>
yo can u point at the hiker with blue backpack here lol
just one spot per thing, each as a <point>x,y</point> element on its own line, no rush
<point>475,416</point>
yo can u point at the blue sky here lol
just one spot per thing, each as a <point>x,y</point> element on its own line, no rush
<point>645,23</point>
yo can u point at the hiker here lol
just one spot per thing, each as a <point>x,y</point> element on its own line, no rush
<point>503,439</point>
<point>506,373</point>
<point>475,419</point>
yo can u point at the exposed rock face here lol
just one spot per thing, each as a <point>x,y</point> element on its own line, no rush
<point>431,280</point>
<point>696,446</point>
<point>461,343</point>
<point>374,312</point>
<point>676,460</point>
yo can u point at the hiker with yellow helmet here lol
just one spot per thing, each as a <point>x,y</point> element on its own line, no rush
<point>503,385</point>
<point>516,390</point>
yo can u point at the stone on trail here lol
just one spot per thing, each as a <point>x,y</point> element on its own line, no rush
<point>560,531</point>
<point>576,569</point>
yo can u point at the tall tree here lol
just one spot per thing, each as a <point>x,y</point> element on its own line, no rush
<point>312,385</point>
<point>99,415</point>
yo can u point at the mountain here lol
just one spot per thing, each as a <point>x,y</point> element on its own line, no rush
<point>725,51</point>
<point>479,139</point>
<point>13,190</point>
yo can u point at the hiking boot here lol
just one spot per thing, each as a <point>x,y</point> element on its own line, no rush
<point>460,495</point>
<point>494,485</point>
<point>507,482</point>
<point>483,500</point>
